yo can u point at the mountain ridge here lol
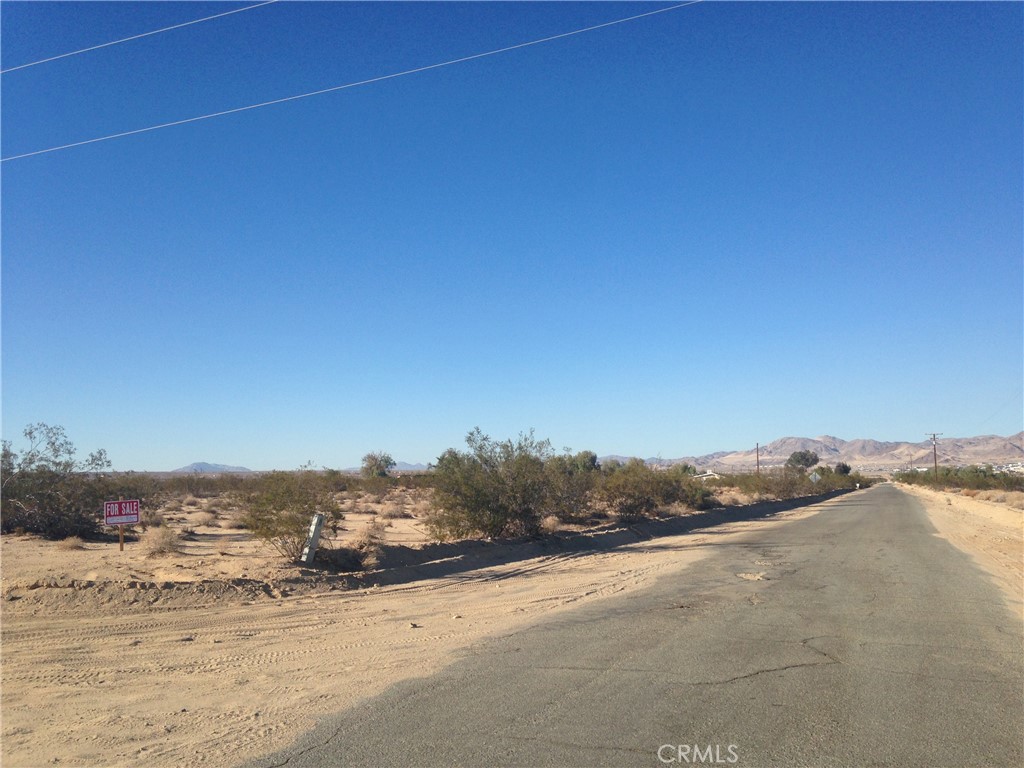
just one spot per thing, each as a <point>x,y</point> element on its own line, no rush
<point>865,453</point>
<point>205,467</point>
<point>859,453</point>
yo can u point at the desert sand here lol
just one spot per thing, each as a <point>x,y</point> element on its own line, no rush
<point>220,653</point>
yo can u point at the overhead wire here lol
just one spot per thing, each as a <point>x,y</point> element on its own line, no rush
<point>136,37</point>
<point>368,81</point>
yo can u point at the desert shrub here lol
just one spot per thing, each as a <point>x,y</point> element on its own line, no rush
<point>71,543</point>
<point>493,489</point>
<point>205,519</point>
<point>611,466</point>
<point>696,496</point>
<point>980,478</point>
<point>369,543</point>
<point>47,490</point>
<point>161,541</point>
<point>633,490</point>
<point>336,480</point>
<point>281,506</point>
<point>788,483</point>
<point>346,559</point>
<point>150,518</point>
<point>570,482</point>
<point>551,524</point>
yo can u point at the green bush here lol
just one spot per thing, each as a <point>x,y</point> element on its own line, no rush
<point>570,483</point>
<point>493,489</point>
<point>980,478</point>
<point>634,490</point>
<point>281,506</point>
<point>789,483</point>
<point>48,491</point>
<point>697,496</point>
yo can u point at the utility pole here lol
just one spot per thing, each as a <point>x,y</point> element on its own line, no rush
<point>935,452</point>
<point>758,449</point>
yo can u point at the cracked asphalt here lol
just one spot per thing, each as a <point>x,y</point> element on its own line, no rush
<point>855,637</point>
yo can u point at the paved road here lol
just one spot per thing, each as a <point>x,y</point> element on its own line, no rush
<point>865,641</point>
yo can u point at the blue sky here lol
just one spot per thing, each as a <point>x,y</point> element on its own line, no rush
<point>690,232</point>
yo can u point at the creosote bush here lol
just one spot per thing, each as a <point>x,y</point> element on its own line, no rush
<point>47,490</point>
<point>509,488</point>
<point>493,489</point>
<point>281,506</point>
<point>978,478</point>
<point>633,490</point>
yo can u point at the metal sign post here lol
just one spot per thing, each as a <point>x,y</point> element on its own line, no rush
<point>309,551</point>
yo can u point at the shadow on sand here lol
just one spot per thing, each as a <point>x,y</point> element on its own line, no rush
<point>403,565</point>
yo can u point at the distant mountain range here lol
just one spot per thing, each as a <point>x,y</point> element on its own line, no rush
<point>859,454</point>
<point>206,468</point>
<point>868,454</point>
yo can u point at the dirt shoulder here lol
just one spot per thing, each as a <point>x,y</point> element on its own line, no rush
<point>201,678</point>
<point>991,532</point>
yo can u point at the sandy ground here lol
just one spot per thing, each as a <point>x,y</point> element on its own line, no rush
<point>219,654</point>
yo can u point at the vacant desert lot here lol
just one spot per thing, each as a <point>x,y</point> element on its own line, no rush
<point>220,653</point>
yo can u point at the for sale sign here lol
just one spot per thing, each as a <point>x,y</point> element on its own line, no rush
<point>120,512</point>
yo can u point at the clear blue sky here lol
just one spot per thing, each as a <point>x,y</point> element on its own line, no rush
<point>691,232</point>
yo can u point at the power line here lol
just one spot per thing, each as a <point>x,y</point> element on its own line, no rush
<point>350,85</point>
<point>135,37</point>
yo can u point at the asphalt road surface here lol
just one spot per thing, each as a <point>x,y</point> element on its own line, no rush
<point>855,637</point>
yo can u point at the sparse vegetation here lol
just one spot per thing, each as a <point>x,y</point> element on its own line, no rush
<point>493,489</point>
<point>507,488</point>
<point>780,483</point>
<point>978,478</point>
<point>571,481</point>
<point>161,541</point>
<point>281,506</point>
<point>634,490</point>
<point>205,519</point>
<point>369,543</point>
<point>46,489</point>
<point>150,518</point>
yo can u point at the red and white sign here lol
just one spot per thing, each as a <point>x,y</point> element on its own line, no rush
<point>120,512</point>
